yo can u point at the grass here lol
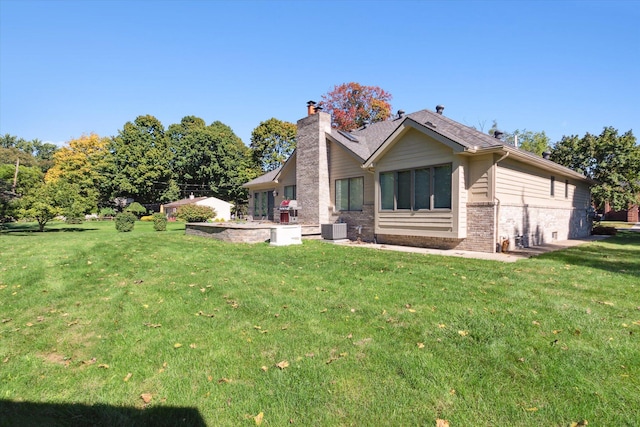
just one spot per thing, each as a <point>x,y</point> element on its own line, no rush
<point>93,319</point>
<point>617,224</point>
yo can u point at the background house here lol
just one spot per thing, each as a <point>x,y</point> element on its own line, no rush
<point>222,208</point>
<point>423,179</point>
<point>629,215</point>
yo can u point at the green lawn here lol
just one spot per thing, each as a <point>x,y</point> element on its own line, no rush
<point>94,320</point>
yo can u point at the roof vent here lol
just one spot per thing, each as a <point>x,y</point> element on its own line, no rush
<point>430,124</point>
<point>400,113</point>
<point>497,134</point>
<point>546,155</point>
<point>348,136</point>
<point>439,108</point>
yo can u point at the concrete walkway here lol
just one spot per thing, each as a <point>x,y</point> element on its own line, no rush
<point>512,256</point>
<point>636,227</point>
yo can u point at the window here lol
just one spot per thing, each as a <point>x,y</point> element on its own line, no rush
<point>260,204</point>
<point>552,190</point>
<point>416,189</point>
<point>349,194</point>
<point>566,188</point>
<point>257,207</point>
<point>290,192</point>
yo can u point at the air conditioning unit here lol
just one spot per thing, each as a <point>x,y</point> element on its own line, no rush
<point>334,231</point>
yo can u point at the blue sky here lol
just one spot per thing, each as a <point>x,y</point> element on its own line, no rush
<point>69,68</point>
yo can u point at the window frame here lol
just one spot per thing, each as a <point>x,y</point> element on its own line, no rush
<point>349,180</point>
<point>413,188</point>
<point>292,189</point>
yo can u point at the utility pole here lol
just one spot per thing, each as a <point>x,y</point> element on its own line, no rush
<point>15,177</point>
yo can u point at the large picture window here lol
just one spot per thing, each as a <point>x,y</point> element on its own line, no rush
<point>416,189</point>
<point>350,194</point>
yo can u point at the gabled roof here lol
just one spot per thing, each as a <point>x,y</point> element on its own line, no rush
<point>264,179</point>
<point>369,143</point>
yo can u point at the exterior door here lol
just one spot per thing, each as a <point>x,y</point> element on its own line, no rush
<point>270,205</point>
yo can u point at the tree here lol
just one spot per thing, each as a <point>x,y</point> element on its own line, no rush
<point>612,160</point>
<point>272,142</point>
<point>533,142</point>
<point>353,105</point>
<point>30,152</point>
<point>47,201</point>
<point>141,160</point>
<point>84,162</point>
<point>210,159</point>
<point>28,177</point>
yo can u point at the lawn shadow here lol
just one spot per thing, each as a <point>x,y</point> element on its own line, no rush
<point>621,259</point>
<point>28,229</point>
<point>62,415</point>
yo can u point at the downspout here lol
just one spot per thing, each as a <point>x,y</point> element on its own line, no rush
<point>497,218</point>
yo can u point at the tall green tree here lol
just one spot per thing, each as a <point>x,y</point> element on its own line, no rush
<point>211,159</point>
<point>141,160</point>
<point>28,177</point>
<point>30,153</point>
<point>612,160</point>
<point>353,105</point>
<point>272,142</point>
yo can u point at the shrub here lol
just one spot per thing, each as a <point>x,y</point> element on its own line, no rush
<point>125,221</point>
<point>106,212</point>
<point>195,213</point>
<point>147,218</point>
<point>159,222</point>
<point>604,231</point>
<point>136,208</point>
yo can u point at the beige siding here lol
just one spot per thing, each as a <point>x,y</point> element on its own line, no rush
<point>479,176</point>
<point>518,183</point>
<point>412,151</point>
<point>460,196</point>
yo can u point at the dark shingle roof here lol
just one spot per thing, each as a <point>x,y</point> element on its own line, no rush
<point>364,142</point>
<point>263,179</point>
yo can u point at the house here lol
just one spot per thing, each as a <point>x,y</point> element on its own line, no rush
<point>423,179</point>
<point>222,208</point>
<point>632,214</point>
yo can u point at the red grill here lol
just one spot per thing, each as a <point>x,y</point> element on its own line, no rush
<point>288,211</point>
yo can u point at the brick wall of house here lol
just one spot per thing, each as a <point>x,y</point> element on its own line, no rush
<point>535,225</point>
<point>480,228</point>
<point>360,224</point>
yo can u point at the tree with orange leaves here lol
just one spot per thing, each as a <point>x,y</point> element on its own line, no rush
<point>353,105</point>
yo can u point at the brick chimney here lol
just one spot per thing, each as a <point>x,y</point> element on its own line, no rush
<point>312,166</point>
